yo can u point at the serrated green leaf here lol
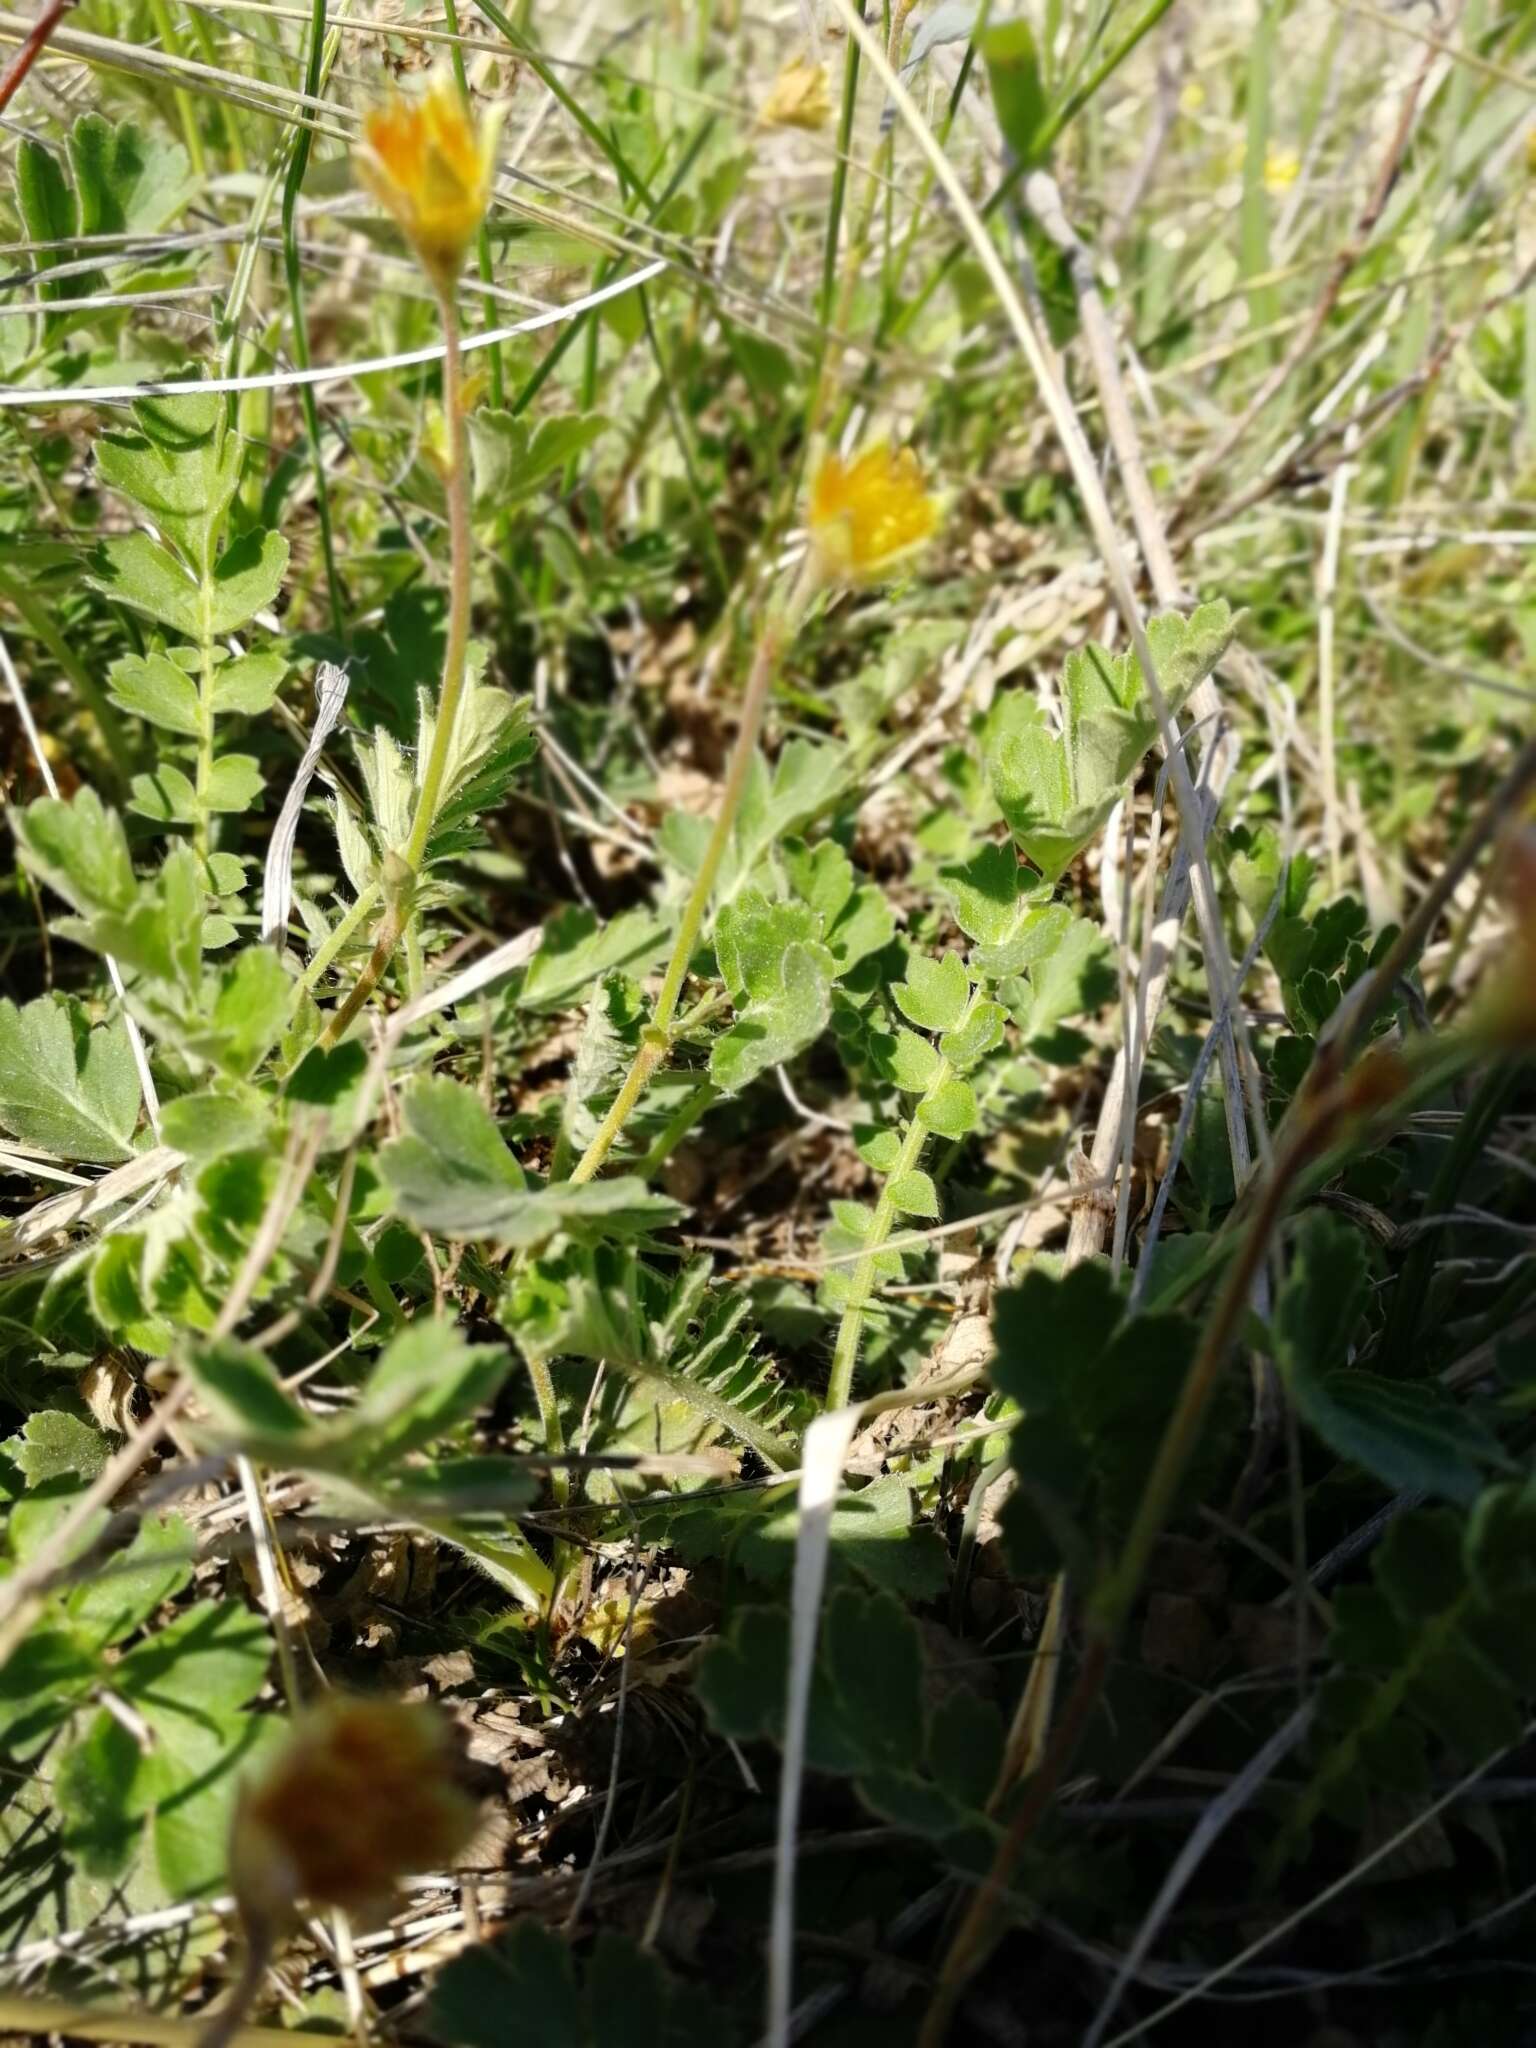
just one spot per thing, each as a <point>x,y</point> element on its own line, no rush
<point>246,579</point>
<point>136,570</point>
<point>877,1149</point>
<point>234,783</point>
<point>166,794</point>
<point>78,848</point>
<point>451,1173</point>
<point>66,1087</point>
<point>914,1194</point>
<point>877,1532</point>
<point>251,1003</point>
<point>1409,1436</point>
<point>125,178</point>
<point>248,684</point>
<point>1071,979</point>
<point>183,469</point>
<point>52,1444</point>
<point>971,1041</point>
<point>425,1383</point>
<point>205,1125</point>
<point>510,459</point>
<point>575,950</point>
<point>242,1394</point>
<point>154,1568</point>
<point>752,936</point>
<point>935,993</point>
<point>49,214</point>
<point>875,1662</point>
<point>986,892</point>
<point>153,687</point>
<point>912,1064</point>
<point>949,1111</point>
<point>1057,789</point>
<point>789,1010</point>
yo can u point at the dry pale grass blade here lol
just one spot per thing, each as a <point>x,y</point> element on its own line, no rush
<point>277,877</point>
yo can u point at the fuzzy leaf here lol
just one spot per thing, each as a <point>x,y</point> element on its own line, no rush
<point>949,1111</point>
<point>914,1194</point>
<point>52,1444</point>
<point>1057,789</point>
<point>125,178</point>
<point>80,849</point>
<point>781,981</point>
<point>575,951</point>
<point>970,1042</point>
<point>912,1062</point>
<point>65,1087</point>
<point>935,992</point>
<point>451,1173</point>
<point>153,687</point>
<point>248,684</point>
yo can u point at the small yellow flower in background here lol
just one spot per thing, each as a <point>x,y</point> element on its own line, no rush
<point>432,165</point>
<point>1282,167</point>
<point>1191,97</point>
<point>868,516</point>
<point>362,1793</point>
<point>798,97</point>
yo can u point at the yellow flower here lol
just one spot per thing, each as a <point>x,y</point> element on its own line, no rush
<point>868,516</point>
<point>432,166</point>
<point>798,97</point>
<point>362,1792</point>
<point>1282,167</point>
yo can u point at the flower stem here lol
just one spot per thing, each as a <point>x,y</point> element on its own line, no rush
<point>656,1039</point>
<point>461,547</point>
<point>396,920</point>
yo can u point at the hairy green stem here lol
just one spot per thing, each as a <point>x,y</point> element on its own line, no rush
<point>206,674</point>
<point>656,1039</point>
<point>549,1417</point>
<point>845,1353</point>
<point>461,545</point>
<point>450,693</point>
<point>340,933</point>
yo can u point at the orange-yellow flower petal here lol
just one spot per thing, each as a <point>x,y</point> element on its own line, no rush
<point>798,97</point>
<point>428,161</point>
<point>869,516</point>
<point>362,1792</point>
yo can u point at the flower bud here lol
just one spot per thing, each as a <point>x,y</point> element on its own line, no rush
<point>363,1792</point>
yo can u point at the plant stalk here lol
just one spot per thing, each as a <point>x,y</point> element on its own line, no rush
<point>656,1039</point>
<point>845,1353</point>
<point>451,690</point>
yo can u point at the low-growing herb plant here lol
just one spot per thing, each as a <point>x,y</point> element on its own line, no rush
<point>590,864</point>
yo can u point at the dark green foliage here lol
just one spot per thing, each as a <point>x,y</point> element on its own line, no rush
<point>1096,1390</point>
